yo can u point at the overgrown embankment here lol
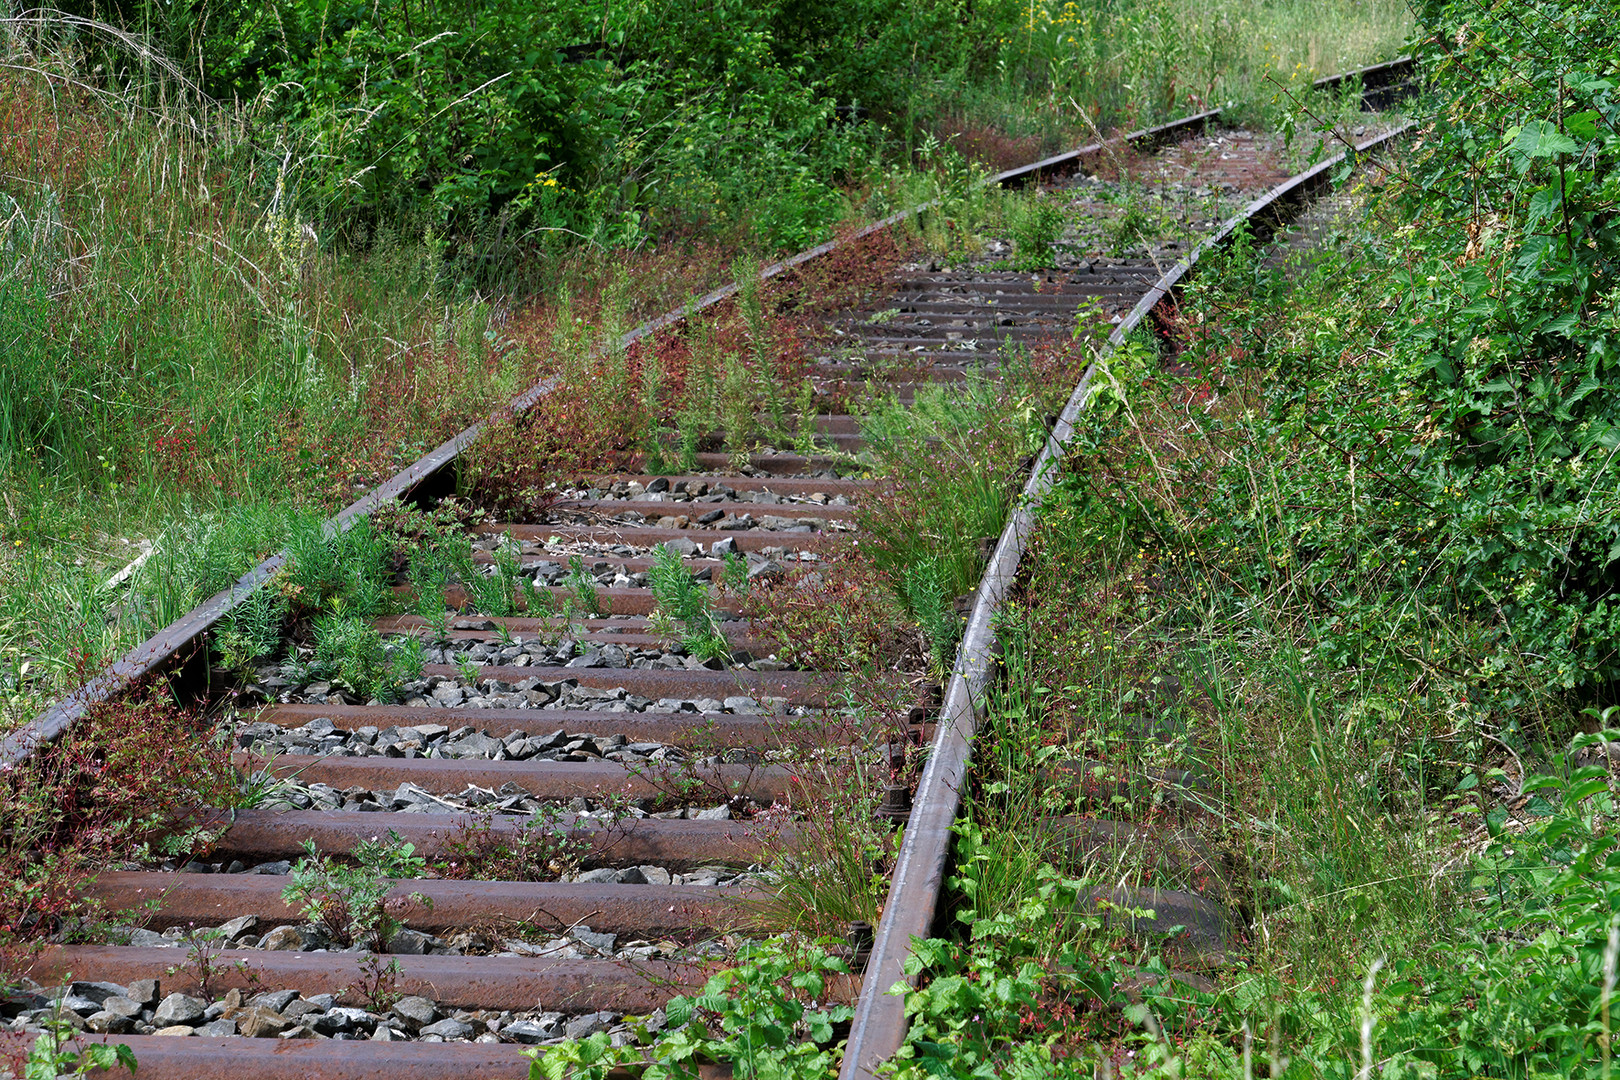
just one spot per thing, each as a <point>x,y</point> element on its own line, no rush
<point>1325,604</point>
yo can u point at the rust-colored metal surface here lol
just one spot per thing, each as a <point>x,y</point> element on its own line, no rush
<point>457,982</point>
<point>649,535</point>
<point>257,836</point>
<point>764,784</point>
<point>828,485</point>
<point>734,631</point>
<point>644,911</point>
<point>165,1058</point>
<point>612,508</point>
<point>726,729</point>
<point>806,688</point>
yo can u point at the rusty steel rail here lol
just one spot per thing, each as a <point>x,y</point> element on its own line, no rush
<point>879,1026</point>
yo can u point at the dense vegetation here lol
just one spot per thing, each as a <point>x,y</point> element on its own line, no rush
<point>256,256</point>
<point>1357,570</point>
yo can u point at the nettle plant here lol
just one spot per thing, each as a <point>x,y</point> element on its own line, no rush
<point>766,1017</point>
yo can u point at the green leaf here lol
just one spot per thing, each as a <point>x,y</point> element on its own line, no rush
<point>1586,789</point>
<point>1541,139</point>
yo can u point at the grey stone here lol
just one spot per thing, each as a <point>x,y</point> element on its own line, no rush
<point>475,745</point>
<point>277,868</point>
<point>296,1011</point>
<point>149,939</point>
<point>605,875</point>
<point>217,1029</point>
<point>385,1033</point>
<point>180,1030</point>
<point>527,1031</point>
<point>259,1022</point>
<point>122,1005</point>
<point>448,1029</point>
<point>602,943</point>
<point>330,1023</point>
<point>282,939</point>
<point>82,1006</point>
<point>769,570</point>
<point>410,943</point>
<point>321,1001</point>
<point>238,927</point>
<point>654,875</point>
<point>97,991</point>
<point>178,1009</point>
<point>352,1019</point>
<point>719,813</point>
<point>415,1012</point>
<point>109,1023</point>
<point>722,547</point>
<point>145,992</point>
<point>582,1027</point>
<point>274,1000</point>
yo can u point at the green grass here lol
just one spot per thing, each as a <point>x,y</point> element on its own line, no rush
<point>187,350</point>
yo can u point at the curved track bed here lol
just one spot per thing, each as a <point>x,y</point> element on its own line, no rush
<point>657,770</point>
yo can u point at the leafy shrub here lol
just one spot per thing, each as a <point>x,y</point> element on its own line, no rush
<point>351,653</point>
<point>252,630</point>
<point>763,1017</point>
<point>1035,225</point>
<point>347,570</point>
<point>1509,325</point>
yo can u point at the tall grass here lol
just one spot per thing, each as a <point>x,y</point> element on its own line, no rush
<point>1064,68</point>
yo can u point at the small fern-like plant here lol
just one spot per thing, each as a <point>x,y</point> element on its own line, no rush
<point>685,610</point>
<point>935,615</point>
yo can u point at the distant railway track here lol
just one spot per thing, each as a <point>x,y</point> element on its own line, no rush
<point>547,722</point>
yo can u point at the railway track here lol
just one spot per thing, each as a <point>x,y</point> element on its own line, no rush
<point>657,773</point>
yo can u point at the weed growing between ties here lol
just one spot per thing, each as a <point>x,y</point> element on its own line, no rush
<point>352,903</point>
<point>543,847</point>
